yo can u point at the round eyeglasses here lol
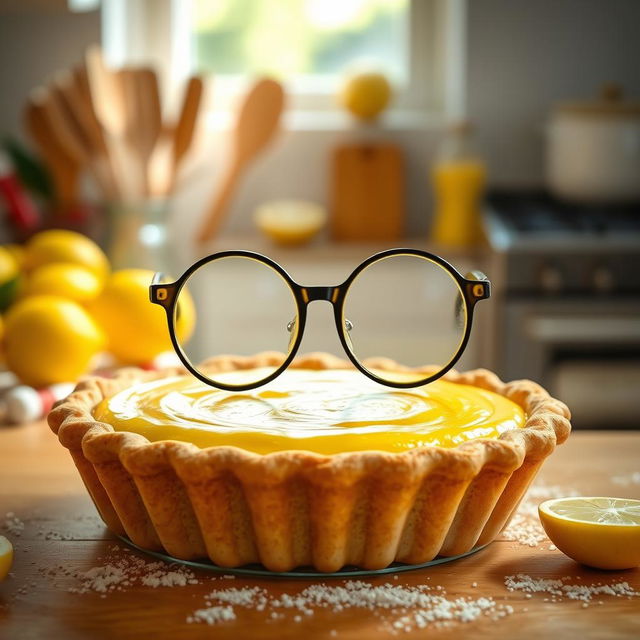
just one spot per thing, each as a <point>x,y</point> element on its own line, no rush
<point>407,305</point>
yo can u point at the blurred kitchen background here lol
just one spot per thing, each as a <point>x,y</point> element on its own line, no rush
<point>510,144</point>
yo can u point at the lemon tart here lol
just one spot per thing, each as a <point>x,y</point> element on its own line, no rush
<point>321,467</point>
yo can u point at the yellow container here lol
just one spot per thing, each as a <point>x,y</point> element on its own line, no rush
<point>459,179</point>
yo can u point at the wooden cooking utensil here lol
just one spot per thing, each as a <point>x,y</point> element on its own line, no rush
<point>174,142</point>
<point>256,124</point>
<point>186,124</point>
<point>161,167</point>
<point>143,115</point>
<point>70,116</point>
<point>81,83</point>
<point>107,94</point>
<point>368,192</point>
<point>150,111</point>
<point>108,99</point>
<point>58,123</point>
<point>82,91</point>
<point>64,169</point>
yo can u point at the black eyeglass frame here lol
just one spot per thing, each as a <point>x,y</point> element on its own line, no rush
<point>472,288</point>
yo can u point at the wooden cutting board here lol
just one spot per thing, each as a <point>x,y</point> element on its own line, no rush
<point>368,192</point>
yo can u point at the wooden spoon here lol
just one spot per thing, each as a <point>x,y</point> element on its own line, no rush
<point>256,124</point>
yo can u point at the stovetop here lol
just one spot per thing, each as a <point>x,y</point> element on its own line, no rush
<point>530,219</point>
<point>555,248</point>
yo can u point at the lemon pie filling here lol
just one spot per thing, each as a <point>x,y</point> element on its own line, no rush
<point>326,412</point>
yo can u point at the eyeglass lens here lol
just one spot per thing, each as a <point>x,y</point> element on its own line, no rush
<point>243,307</point>
<point>406,308</point>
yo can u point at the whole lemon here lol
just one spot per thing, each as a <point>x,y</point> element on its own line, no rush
<point>63,279</point>
<point>17,251</point>
<point>59,245</point>
<point>365,95</point>
<point>136,329</point>
<point>49,339</point>
<point>9,277</point>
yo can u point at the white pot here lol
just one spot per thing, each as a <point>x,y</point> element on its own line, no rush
<point>593,150</point>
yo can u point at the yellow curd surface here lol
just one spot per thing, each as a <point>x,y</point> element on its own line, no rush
<point>328,411</point>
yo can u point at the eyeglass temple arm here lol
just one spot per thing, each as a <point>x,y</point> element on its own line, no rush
<point>161,293</point>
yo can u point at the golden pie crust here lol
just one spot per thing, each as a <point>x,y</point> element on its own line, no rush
<point>294,508</point>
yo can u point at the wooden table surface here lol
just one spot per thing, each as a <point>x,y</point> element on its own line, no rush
<point>39,483</point>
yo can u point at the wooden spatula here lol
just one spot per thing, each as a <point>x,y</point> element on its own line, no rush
<point>185,127</point>
<point>174,142</point>
<point>150,111</point>
<point>71,116</point>
<point>143,115</point>
<point>256,124</point>
<point>64,170</point>
<point>58,123</point>
<point>109,103</point>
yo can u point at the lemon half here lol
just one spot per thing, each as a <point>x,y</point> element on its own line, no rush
<point>597,531</point>
<point>290,222</point>
<point>6,557</point>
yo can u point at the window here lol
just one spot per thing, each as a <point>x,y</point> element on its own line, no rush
<point>306,43</point>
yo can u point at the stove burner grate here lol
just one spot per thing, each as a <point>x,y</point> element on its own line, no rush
<point>537,212</point>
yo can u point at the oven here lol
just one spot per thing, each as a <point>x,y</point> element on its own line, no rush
<point>566,309</point>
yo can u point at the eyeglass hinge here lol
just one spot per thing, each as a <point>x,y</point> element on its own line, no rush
<point>161,294</point>
<point>480,290</point>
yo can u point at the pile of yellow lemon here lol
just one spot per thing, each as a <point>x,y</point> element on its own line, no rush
<point>62,306</point>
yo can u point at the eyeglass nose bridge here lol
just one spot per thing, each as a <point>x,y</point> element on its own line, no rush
<point>311,294</point>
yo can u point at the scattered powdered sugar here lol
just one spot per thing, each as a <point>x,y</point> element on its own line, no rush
<point>120,571</point>
<point>627,480</point>
<point>12,524</point>
<point>102,579</point>
<point>525,527</point>
<point>212,615</point>
<point>245,597</point>
<point>397,608</point>
<point>558,588</point>
<point>400,608</point>
<point>525,531</point>
<point>458,610</point>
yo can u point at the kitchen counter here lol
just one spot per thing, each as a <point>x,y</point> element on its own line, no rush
<point>62,536</point>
